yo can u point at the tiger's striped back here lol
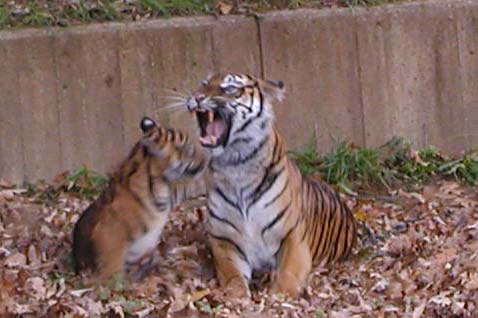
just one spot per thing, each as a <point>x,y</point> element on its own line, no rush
<point>331,229</point>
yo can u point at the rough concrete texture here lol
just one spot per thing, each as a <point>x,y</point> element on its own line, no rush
<point>467,28</point>
<point>315,54</point>
<point>75,96</point>
<point>411,75</point>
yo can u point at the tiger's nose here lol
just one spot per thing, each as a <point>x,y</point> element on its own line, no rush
<point>198,97</point>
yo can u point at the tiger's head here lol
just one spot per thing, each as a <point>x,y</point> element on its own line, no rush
<point>173,155</point>
<point>232,108</point>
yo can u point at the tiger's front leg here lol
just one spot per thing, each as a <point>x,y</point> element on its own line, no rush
<point>232,269</point>
<point>295,264</point>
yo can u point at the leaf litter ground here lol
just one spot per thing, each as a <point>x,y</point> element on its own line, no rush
<point>417,257</point>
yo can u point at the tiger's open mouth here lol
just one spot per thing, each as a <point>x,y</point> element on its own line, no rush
<point>214,126</point>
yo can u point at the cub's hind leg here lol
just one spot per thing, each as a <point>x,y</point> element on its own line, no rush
<point>232,267</point>
<point>295,264</point>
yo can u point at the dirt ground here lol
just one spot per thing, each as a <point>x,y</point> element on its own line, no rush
<point>417,257</point>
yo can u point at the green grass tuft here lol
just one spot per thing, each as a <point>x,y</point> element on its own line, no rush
<point>350,167</point>
<point>43,13</point>
<point>4,17</point>
<point>85,182</point>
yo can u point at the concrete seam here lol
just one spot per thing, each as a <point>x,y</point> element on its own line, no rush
<point>57,98</point>
<point>213,50</point>
<point>359,73</point>
<point>22,111</point>
<point>120,84</point>
<point>258,19</point>
<point>460,63</point>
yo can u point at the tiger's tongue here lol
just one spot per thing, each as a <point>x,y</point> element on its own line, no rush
<point>216,128</point>
<point>214,131</point>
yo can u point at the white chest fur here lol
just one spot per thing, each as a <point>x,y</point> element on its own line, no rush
<point>148,241</point>
<point>238,216</point>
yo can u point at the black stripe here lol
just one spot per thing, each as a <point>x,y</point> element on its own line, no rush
<point>340,226</point>
<point>244,126</point>
<point>134,150</point>
<point>185,193</point>
<point>225,198</point>
<point>193,168</point>
<point>263,124</point>
<point>265,185</point>
<point>169,135</point>
<point>252,154</point>
<point>346,236</point>
<point>161,205</point>
<point>150,179</point>
<point>276,219</point>
<point>276,152</point>
<point>215,216</point>
<point>315,213</point>
<point>274,199</point>
<point>137,198</point>
<point>332,220</point>
<point>251,96</point>
<point>323,219</point>
<point>261,104</point>
<point>242,139</point>
<point>236,246</point>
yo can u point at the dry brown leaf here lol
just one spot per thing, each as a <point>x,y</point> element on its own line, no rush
<point>182,300</point>
<point>35,286</point>
<point>418,311</point>
<point>398,245</point>
<point>395,290</point>
<point>224,8</point>
<point>6,184</point>
<point>340,314</point>
<point>16,260</point>
<point>33,258</point>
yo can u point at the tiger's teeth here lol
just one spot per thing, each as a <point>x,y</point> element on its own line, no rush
<point>210,116</point>
<point>208,140</point>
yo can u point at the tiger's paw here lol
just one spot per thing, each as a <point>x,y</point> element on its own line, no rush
<point>287,284</point>
<point>237,288</point>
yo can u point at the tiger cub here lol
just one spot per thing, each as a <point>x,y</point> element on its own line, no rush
<point>264,215</point>
<point>126,221</point>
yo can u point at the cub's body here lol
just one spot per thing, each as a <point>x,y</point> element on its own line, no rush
<point>126,221</point>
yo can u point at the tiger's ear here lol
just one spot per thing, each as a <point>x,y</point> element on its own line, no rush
<point>147,124</point>
<point>273,89</point>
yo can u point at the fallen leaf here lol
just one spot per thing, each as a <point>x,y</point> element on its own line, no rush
<point>224,8</point>
<point>33,258</point>
<point>418,311</point>
<point>182,300</point>
<point>6,184</point>
<point>36,287</point>
<point>16,260</point>
<point>80,292</point>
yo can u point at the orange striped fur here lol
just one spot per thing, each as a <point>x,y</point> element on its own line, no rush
<point>264,214</point>
<point>126,221</point>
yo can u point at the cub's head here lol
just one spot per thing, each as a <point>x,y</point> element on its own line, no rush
<point>173,156</point>
<point>233,108</point>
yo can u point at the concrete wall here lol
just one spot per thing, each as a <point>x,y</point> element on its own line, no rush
<point>75,96</point>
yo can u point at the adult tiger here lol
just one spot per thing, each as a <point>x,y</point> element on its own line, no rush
<point>263,214</point>
<point>126,221</point>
